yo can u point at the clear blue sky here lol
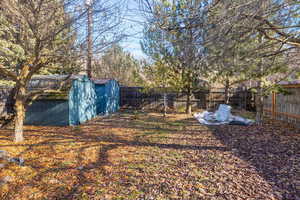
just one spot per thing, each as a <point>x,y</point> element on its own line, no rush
<point>134,24</point>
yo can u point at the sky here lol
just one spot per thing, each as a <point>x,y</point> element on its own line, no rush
<point>134,24</point>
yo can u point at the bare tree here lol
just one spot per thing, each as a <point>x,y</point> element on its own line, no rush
<point>89,38</point>
<point>118,64</point>
<point>100,26</point>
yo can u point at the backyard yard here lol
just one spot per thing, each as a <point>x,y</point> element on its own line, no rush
<point>136,155</point>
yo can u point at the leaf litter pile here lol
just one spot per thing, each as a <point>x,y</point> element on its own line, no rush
<point>145,156</point>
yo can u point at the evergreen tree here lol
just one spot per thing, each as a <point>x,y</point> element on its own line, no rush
<point>35,37</point>
<point>174,37</point>
<point>257,59</point>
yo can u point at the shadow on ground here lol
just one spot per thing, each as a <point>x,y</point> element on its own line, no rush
<point>145,156</point>
<point>274,151</point>
<point>63,162</point>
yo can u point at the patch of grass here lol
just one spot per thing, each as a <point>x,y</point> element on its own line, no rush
<point>180,109</point>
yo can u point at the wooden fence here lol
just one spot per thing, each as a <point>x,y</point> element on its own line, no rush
<point>278,106</point>
<point>284,107</point>
<point>134,97</point>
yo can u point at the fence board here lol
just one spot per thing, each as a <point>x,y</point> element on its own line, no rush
<point>284,107</point>
<point>133,97</point>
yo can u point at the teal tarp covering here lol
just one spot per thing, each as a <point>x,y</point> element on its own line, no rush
<point>86,99</point>
<point>101,98</point>
<point>108,97</point>
<point>82,101</point>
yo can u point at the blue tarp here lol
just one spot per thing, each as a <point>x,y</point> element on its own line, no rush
<point>108,97</point>
<point>86,99</point>
<point>82,101</point>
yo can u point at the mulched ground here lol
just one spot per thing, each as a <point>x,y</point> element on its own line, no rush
<point>144,156</point>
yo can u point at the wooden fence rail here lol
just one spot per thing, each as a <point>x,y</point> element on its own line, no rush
<point>284,107</point>
<point>134,97</point>
<point>278,106</point>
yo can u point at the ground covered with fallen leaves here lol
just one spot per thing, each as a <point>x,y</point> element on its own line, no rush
<point>135,155</point>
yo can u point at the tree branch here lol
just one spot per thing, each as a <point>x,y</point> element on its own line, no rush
<point>7,73</point>
<point>287,38</point>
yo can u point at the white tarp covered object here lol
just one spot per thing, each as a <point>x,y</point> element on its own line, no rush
<point>221,116</point>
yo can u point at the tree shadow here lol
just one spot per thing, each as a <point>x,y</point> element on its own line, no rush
<point>79,140</point>
<point>272,149</point>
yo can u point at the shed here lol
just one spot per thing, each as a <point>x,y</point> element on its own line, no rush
<point>108,96</point>
<point>75,105</point>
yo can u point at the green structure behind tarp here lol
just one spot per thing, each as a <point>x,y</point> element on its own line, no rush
<point>48,113</point>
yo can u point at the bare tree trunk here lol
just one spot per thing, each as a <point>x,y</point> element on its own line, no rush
<point>227,91</point>
<point>165,104</point>
<point>20,115</point>
<point>89,38</point>
<point>259,105</point>
<point>188,109</point>
<point>259,99</point>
